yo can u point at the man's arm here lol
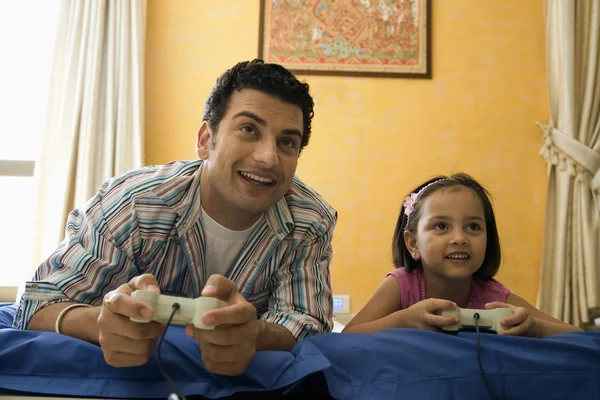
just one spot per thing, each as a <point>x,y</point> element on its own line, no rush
<point>83,268</point>
<point>79,322</point>
<point>274,337</point>
<point>282,327</point>
<point>124,343</point>
<point>306,269</point>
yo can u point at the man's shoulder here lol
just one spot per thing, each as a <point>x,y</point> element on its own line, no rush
<point>151,180</point>
<point>155,191</point>
<point>308,206</point>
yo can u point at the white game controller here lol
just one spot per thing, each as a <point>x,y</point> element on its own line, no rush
<point>488,319</point>
<point>189,312</point>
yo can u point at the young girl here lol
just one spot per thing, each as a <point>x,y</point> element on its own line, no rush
<point>446,250</point>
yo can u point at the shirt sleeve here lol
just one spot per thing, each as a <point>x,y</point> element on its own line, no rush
<point>408,284</point>
<point>84,267</point>
<point>302,298</point>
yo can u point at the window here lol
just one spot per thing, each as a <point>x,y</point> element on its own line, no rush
<point>27,34</point>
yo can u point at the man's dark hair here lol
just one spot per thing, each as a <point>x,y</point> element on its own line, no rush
<point>268,78</point>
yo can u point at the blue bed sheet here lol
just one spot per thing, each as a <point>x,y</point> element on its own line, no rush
<point>395,364</point>
<point>414,364</point>
<point>53,364</point>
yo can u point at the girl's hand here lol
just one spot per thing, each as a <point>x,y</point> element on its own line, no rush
<point>422,315</point>
<point>523,324</point>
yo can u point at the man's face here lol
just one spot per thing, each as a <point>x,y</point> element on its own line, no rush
<point>251,159</point>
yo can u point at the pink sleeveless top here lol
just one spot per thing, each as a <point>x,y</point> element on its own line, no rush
<point>412,288</point>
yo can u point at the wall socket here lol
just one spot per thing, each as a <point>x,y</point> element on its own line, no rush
<point>341,304</point>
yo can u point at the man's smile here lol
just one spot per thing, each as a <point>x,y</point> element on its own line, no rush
<point>257,179</point>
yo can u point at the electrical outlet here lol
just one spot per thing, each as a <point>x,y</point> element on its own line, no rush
<point>341,304</point>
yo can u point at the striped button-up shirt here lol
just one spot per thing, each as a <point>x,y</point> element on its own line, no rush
<point>149,221</point>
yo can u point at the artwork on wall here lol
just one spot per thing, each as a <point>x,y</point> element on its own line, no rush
<point>348,37</point>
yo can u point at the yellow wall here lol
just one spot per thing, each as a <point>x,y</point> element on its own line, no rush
<point>374,139</point>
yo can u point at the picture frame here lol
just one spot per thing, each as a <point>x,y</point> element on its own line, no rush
<point>377,38</point>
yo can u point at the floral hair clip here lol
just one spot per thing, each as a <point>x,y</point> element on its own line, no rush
<point>410,202</point>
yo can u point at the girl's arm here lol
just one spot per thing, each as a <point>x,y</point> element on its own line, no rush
<point>379,313</point>
<point>384,311</point>
<point>545,324</point>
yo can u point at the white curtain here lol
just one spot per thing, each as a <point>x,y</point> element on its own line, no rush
<point>570,279</point>
<point>94,127</point>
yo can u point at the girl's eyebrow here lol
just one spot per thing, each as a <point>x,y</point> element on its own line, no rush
<point>476,218</point>
<point>438,218</point>
<point>446,217</point>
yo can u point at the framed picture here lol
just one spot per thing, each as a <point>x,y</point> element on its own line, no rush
<point>348,37</point>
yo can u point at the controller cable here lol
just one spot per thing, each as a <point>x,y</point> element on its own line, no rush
<point>176,307</point>
<point>485,381</point>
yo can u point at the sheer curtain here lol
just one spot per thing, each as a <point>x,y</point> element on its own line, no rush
<point>24,81</point>
<point>95,119</point>
<point>570,281</point>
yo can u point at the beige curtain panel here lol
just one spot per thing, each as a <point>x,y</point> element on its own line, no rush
<point>94,128</point>
<point>570,276</point>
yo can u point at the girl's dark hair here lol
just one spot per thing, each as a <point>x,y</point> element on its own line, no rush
<point>268,78</point>
<point>401,255</point>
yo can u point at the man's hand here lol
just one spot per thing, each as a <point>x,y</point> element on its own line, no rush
<point>229,348</point>
<point>123,342</point>
<point>423,315</point>
<point>521,323</point>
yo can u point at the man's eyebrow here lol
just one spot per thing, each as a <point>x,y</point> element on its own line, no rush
<point>293,132</point>
<point>253,116</point>
<point>260,121</point>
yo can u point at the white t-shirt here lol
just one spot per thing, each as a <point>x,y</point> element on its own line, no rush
<point>222,245</point>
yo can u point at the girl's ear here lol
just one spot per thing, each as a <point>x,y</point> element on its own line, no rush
<point>410,241</point>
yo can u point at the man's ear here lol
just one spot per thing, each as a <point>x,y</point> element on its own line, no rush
<point>410,241</point>
<point>203,141</point>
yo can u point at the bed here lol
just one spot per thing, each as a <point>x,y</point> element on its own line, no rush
<point>398,363</point>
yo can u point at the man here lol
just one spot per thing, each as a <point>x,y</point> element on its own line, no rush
<point>236,225</point>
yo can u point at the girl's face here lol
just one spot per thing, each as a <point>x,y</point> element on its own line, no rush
<point>451,234</point>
